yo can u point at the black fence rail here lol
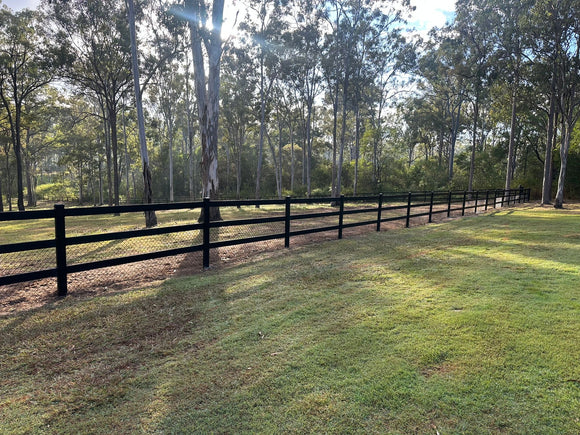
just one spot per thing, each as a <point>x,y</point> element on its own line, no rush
<point>339,214</point>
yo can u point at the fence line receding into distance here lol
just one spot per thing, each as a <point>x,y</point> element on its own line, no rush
<point>205,236</point>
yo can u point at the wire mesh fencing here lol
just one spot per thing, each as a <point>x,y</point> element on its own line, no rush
<point>111,249</point>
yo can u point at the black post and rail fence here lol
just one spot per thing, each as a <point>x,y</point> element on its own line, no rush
<point>379,209</point>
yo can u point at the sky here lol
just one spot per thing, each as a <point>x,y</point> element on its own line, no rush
<point>16,5</point>
<point>429,13</point>
<point>432,13</point>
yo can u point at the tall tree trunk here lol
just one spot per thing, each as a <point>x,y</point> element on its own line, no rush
<point>356,149</point>
<point>190,147</point>
<point>101,197</point>
<point>342,135</point>
<point>1,198</point>
<point>207,98</point>
<point>190,162</point>
<point>239,147</point>
<point>511,147</point>
<point>80,183</point>
<point>277,171</point>
<point>292,158</point>
<point>569,119</point>
<point>108,159</point>
<point>260,149</point>
<point>547,180</point>
<point>454,132</point>
<point>280,153</point>
<point>280,128</point>
<point>441,141</point>
<point>309,147</point>
<point>127,161</point>
<point>564,149</point>
<point>31,202</point>
<point>474,141</point>
<point>14,123</point>
<point>115,151</point>
<point>303,148</point>
<point>170,133</point>
<point>150,216</point>
<point>334,139</point>
<point>18,155</point>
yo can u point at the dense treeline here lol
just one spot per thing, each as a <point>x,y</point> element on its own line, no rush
<point>295,97</point>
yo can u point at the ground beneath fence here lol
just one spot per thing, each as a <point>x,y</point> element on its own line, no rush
<point>34,294</point>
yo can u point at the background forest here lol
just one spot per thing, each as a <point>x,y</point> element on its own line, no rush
<point>316,98</point>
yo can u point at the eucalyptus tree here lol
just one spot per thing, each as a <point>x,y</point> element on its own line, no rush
<point>164,43</point>
<point>301,66</point>
<point>348,18</point>
<point>555,28</point>
<point>331,67</point>
<point>569,84</point>
<point>263,26</point>
<point>166,93</point>
<point>363,33</point>
<point>5,147</point>
<point>238,102</point>
<point>393,62</point>
<point>473,16</point>
<point>95,42</point>
<point>77,144</point>
<point>41,114</point>
<point>443,71</point>
<point>549,48</point>
<point>205,25</point>
<point>289,110</point>
<point>385,59</point>
<point>509,25</point>
<point>188,128</point>
<point>27,65</point>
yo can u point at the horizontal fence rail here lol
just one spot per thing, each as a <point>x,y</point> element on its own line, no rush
<point>374,210</point>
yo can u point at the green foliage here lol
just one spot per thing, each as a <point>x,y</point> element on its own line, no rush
<point>59,191</point>
<point>324,63</point>
<point>427,174</point>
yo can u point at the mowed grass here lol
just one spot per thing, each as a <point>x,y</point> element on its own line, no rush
<point>470,326</point>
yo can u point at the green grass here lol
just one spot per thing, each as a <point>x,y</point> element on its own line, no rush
<point>470,326</point>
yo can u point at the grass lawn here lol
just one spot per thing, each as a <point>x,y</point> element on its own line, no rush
<point>469,326</point>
